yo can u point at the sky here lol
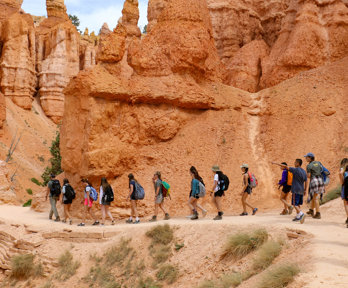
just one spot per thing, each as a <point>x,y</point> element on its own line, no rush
<point>92,14</point>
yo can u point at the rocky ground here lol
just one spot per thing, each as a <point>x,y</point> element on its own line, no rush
<point>318,246</point>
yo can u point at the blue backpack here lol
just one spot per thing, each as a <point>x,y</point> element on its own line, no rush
<point>325,174</point>
<point>93,194</point>
<point>139,191</point>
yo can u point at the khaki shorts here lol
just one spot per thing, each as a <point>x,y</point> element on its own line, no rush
<point>159,199</point>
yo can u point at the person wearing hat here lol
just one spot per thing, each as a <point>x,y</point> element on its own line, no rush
<point>159,199</point>
<point>53,191</point>
<point>316,185</point>
<point>217,192</point>
<point>246,191</point>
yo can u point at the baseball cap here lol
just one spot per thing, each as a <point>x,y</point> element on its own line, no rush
<point>309,155</point>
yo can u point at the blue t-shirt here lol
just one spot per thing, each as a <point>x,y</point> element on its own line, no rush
<point>298,180</point>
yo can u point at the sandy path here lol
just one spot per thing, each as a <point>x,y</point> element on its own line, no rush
<point>329,245</point>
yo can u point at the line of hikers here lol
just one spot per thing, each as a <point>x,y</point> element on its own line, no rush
<point>294,179</point>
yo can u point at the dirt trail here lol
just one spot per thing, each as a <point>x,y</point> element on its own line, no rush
<point>329,245</point>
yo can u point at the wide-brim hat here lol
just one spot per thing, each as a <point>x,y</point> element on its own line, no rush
<point>244,166</point>
<point>215,168</point>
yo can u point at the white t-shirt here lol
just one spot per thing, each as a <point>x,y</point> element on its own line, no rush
<point>216,178</point>
<point>101,194</point>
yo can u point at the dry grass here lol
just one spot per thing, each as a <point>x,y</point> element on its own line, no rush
<point>101,276</point>
<point>280,276</point>
<point>23,267</point>
<point>167,273</point>
<point>117,254</point>
<point>160,254</point>
<point>230,280</point>
<point>241,244</point>
<point>67,266</point>
<point>161,234</point>
<point>207,284</point>
<point>148,283</point>
<point>266,254</point>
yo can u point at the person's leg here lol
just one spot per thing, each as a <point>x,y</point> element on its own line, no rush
<point>156,209</point>
<point>345,203</point>
<point>190,203</point>
<point>245,196</point>
<point>163,208</point>
<point>53,201</point>
<point>68,207</point>
<point>50,215</point>
<point>109,213</point>
<point>90,210</point>
<point>103,214</point>
<point>65,212</point>
<point>85,214</point>
<point>135,209</point>
<point>283,198</point>
<point>219,204</point>
<point>243,201</point>
<point>204,211</point>
<point>316,205</point>
<point>214,201</point>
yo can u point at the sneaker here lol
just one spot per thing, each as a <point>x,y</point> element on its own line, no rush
<point>310,212</point>
<point>204,213</point>
<point>244,214</point>
<point>113,222</point>
<point>284,212</point>
<point>218,217</point>
<point>255,210</point>
<point>317,215</point>
<point>70,222</point>
<point>57,219</point>
<point>166,217</point>
<point>195,217</point>
<point>291,208</point>
<point>296,219</point>
<point>136,222</point>
<point>95,223</point>
<point>129,221</point>
<point>153,219</point>
<point>302,218</point>
<point>81,224</point>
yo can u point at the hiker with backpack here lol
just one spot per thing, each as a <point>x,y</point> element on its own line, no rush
<point>285,183</point>
<point>197,191</point>
<point>298,187</point>
<point>68,196</point>
<point>159,199</point>
<point>221,183</point>
<point>90,195</point>
<point>249,182</point>
<point>316,185</point>
<point>53,191</point>
<point>344,181</point>
<point>133,198</point>
<point>106,196</point>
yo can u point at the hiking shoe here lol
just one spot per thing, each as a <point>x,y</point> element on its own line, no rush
<point>296,219</point>
<point>166,217</point>
<point>57,219</point>
<point>136,222</point>
<point>255,210</point>
<point>302,218</point>
<point>204,213</point>
<point>129,221</point>
<point>218,217</point>
<point>81,224</point>
<point>317,215</point>
<point>113,222</point>
<point>244,214</point>
<point>310,212</point>
<point>153,219</point>
<point>284,212</point>
<point>291,208</point>
<point>50,217</point>
<point>70,222</point>
<point>95,223</point>
<point>194,217</point>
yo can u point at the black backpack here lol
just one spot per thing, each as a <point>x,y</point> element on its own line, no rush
<point>69,192</point>
<point>55,188</point>
<point>224,182</point>
<point>108,195</point>
<point>345,187</point>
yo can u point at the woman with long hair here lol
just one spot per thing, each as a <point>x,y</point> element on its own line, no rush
<point>104,190</point>
<point>87,203</point>
<point>193,199</point>
<point>67,199</point>
<point>217,191</point>
<point>133,200</point>
<point>159,199</point>
<point>344,179</point>
<point>246,190</point>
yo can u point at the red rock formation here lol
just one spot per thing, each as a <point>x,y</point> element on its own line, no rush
<point>57,58</point>
<point>104,31</point>
<point>313,33</point>
<point>2,110</point>
<point>245,66</point>
<point>180,42</point>
<point>154,10</point>
<point>7,194</point>
<point>130,17</point>
<point>17,64</point>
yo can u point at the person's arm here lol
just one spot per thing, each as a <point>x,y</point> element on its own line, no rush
<point>131,189</point>
<point>245,182</point>
<point>48,190</point>
<point>214,186</point>
<point>157,190</point>
<point>63,192</point>
<point>306,187</point>
<point>341,175</point>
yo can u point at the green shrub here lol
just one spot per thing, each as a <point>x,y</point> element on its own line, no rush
<point>148,283</point>
<point>280,276</point>
<point>37,182</point>
<point>179,246</point>
<point>167,273</point>
<point>118,253</point>
<point>23,266</point>
<point>266,254</point>
<point>161,234</point>
<point>29,191</point>
<point>241,244</point>
<point>331,195</point>
<point>67,266</point>
<point>28,203</point>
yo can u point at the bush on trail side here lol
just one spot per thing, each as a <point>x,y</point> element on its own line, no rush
<point>161,234</point>
<point>241,244</point>
<point>266,254</point>
<point>67,266</point>
<point>167,273</point>
<point>280,276</point>
<point>23,267</point>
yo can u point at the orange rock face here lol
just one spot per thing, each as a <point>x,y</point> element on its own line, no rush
<point>2,109</point>
<point>154,10</point>
<point>7,194</point>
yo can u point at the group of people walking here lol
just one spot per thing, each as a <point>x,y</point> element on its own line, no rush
<point>294,180</point>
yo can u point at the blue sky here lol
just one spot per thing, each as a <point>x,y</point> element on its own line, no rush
<point>92,13</point>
